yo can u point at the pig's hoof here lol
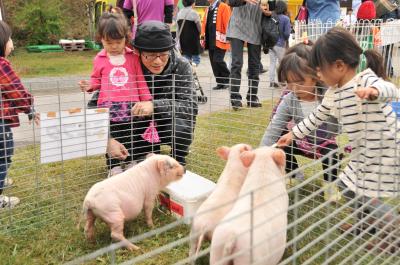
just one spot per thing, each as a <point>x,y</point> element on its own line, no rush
<point>133,247</point>
<point>150,224</point>
<point>89,237</point>
<point>91,240</point>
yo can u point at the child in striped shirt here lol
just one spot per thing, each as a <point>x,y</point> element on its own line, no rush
<point>304,92</point>
<point>361,103</point>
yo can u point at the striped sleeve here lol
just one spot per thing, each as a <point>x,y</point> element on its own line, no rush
<point>387,90</point>
<point>315,119</point>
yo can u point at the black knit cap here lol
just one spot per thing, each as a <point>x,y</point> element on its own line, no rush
<point>153,36</point>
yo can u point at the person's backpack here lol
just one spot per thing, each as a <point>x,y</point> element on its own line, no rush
<point>270,32</point>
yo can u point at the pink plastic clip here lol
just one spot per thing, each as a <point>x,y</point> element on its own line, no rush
<point>151,134</point>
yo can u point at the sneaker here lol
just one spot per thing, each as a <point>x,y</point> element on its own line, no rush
<point>254,104</point>
<point>8,202</point>
<point>292,182</point>
<point>8,182</point>
<point>236,105</point>
<point>331,192</point>
<point>115,171</point>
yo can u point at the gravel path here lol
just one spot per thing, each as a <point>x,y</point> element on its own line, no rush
<point>61,93</point>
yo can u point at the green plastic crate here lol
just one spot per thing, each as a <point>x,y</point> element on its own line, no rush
<point>44,48</point>
<point>93,45</point>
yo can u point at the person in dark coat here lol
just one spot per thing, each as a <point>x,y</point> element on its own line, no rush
<point>170,80</point>
<point>213,34</point>
<point>189,27</point>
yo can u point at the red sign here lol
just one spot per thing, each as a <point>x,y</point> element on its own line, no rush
<point>170,204</point>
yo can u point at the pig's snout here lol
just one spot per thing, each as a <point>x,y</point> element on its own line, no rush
<point>181,170</point>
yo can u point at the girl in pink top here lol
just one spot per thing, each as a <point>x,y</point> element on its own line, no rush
<point>118,75</point>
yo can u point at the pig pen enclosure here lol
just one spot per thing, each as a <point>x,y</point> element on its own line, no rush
<point>51,182</point>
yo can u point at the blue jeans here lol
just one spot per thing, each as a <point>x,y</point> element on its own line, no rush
<point>193,58</point>
<point>6,151</point>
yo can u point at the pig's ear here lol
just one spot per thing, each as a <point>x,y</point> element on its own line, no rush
<point>247,158</point>
<point>279,158</point>
<point>164,165</point>
<point>161,166</point>
<point>246,147</point>
<point>223,152</point>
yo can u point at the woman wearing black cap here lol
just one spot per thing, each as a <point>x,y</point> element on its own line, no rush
<point>170,80</point>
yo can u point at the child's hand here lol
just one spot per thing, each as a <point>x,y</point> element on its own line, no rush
<point>369,93</point>
<point>85,85</point>
<point>36,119</point>
<point>144,108</point>
<point>116,150</point>
<point>285,140</point>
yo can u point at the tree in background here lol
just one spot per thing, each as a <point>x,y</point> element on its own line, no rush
<point>46,21</point>
<point>39,21</point>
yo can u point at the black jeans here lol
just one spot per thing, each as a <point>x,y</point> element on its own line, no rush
<point>254,57</point>
<point>218,65</point>
<point>179,139</point>
<point>291,161</point>
<point>130,135</point>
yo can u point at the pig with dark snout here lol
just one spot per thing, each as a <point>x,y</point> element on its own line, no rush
<point>254,230</point>
<point>122,197</point>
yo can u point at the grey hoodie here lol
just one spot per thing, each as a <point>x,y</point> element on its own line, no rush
<point>290,109</point>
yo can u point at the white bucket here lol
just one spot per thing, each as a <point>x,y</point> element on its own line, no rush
<point>182,198</point>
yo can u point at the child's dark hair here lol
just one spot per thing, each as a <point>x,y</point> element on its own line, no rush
<point>295,65</point>
<point>280,7</point>
<point>375,62</point>
<point>339,44</point>
<point>187,3</point>
<point>301,49</point>
<point>112,26</point>
<point>5,35</point>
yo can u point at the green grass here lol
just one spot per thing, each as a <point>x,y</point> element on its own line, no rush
<point>42,229</point>
<point>52,64</point>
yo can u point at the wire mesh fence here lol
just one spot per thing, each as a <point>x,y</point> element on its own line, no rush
<point>56,163</point>
<point>376,34</point>
<point>53,192</point>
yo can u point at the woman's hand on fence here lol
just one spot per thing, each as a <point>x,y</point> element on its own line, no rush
<point>285,140</point>
<point>142,109</point>
<point>84,85</point>
<point>368,93</point>
<point>116,150</point>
